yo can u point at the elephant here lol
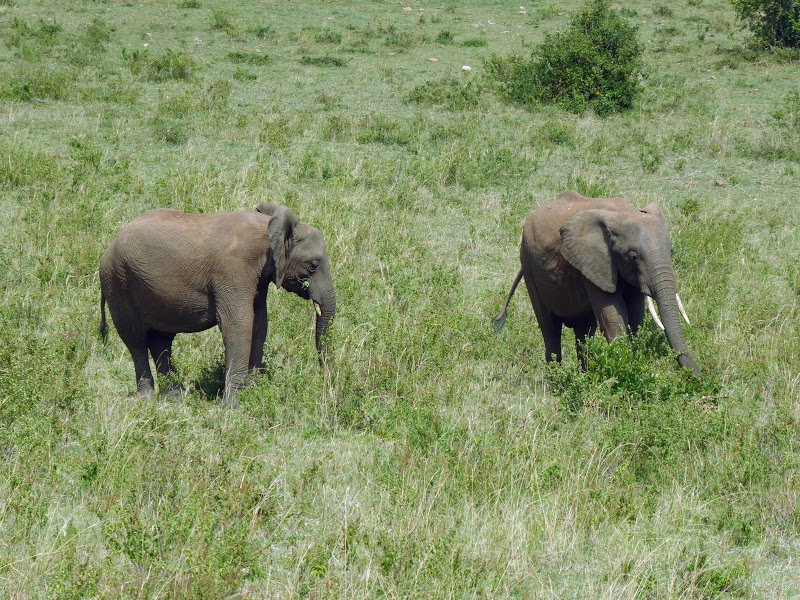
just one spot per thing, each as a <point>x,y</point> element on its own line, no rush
<point>596,261</point>
<point>169,272</point>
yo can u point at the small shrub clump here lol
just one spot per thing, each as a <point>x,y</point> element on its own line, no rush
<point>595,65</point>
<point>775,23</point>
<point>452,92</point>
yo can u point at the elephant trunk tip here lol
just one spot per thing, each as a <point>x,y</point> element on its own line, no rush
<point>687,362</point>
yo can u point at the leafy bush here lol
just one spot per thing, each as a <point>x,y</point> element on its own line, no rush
<point>452,92</point>
<point>323,61</point>
<point>37,83</point>
<point>595,64</point>
<point>168,66</point>
<point>655,415</point>
<point>775,23</point>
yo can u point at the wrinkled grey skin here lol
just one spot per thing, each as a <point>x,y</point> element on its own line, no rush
<point>169,272</point>
<point>591,261</point>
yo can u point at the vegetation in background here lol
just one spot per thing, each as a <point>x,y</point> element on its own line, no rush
<point>434,458</point>
<point>775,23</point>
<point>595,64</point>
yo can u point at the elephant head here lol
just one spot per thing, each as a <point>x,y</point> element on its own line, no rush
<point>302,266</point>
<point>607,246</point>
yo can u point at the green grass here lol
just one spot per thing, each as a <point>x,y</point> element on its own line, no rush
<point>436,458</point>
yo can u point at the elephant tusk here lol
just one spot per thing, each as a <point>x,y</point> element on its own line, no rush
<point>318,309</point>
<point>651,307</point>
<point>683,310</point>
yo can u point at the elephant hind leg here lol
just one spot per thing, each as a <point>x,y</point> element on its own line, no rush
<point>160,346</point>
<point>145,384</point>
<point>549,323</point>
<point>135,339</point>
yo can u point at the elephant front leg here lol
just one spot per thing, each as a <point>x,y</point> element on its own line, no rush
<point>259,337</point>
<point>237,332</point>
<point>549,324</point>
<point>634,300</point>
<point>609,310</point>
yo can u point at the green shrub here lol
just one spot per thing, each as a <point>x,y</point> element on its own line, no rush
<point>655,414</point>
<point>249,58</point>
<point>323,61</point>
<point>595,65</point>
<point>172,131</point>
<point>474,43</point>
<point>222,20</point>
<point>452,92</point>
<point>36,82</point>
<point>775,23</point>
<point>328,36</point>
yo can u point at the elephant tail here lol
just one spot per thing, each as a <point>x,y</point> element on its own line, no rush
<point>103,324</point>
<point>500,319</point>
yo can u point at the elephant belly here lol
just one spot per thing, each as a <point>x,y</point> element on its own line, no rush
<point>569,305</point>
<point>172,315</point>
<point>562,292</point>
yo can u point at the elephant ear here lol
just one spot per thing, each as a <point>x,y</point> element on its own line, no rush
<point>267,208</point>
<point>280,228</point>
<point>586,244</point>
<point>655,210</point>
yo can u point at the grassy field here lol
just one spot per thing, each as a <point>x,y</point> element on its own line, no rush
<point>436,459</point>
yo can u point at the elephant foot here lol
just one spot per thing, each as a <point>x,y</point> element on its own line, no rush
<point>174,394</point>
<point>146,394</point>
<point>230,403</point>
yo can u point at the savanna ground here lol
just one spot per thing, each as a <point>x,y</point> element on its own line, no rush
<point>436,458</point>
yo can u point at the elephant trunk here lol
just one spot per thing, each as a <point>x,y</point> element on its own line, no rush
<point>665,288</point>
<point>326,310</point>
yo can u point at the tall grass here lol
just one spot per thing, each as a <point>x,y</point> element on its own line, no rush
<point>433,458</point>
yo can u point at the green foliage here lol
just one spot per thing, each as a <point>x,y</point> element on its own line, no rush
<point>37,375</point>
<point>32,83</point>
<point>775,23</point>
<point>326,60</point>
<point>168,66</point>
<point>98,35</point>
<point>474,43</point>
<point>328,36</point>
<point>222,20</point>
<point>249,58</point>
<point>595,65</point>
<point>450,91</point>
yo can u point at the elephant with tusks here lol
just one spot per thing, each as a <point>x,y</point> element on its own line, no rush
<point>590,262</point>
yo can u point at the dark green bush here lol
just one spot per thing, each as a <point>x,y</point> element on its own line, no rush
<point>775,23</point>
<point>595,65</point>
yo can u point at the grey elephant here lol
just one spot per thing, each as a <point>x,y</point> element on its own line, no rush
<point>595,261</point>
<point>168,272</point>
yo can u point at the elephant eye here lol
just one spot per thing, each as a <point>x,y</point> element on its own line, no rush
<point>631,256</point>
<point>314,265</point>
